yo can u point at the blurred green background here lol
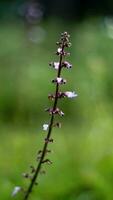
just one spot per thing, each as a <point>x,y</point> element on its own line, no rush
<point>83,148</point>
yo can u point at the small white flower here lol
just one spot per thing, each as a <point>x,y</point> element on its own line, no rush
<point>16,190</point>
<point>59,80</point>
<point>56,65</point>
<point>70,94</point>
<point>45,127</point>
<point>59,50</point>
<point>61,113</point>
<point>67,65</point>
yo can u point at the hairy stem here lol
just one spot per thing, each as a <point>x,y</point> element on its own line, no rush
<point>33,181</point>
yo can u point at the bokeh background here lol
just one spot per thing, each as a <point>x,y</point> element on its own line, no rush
<point>83,148</point>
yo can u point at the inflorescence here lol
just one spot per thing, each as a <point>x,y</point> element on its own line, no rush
<point>53,111</point>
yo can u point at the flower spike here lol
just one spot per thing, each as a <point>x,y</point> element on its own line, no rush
<point>42,159</point>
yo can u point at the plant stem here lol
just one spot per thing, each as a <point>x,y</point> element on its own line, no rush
<point>33,181</point>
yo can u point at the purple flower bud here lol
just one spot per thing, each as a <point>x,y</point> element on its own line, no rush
<point>61,95</point>
<point>56,111</point>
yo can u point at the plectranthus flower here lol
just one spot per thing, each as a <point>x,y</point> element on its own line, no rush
<point>66,65</point>
<point>55,65</point>
<point>59,81</point>
<point>59,51</point>
<point>45,127</point>
<point>70,94</point>
<point>16,190</point>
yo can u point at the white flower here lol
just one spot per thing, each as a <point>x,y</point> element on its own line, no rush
<point>70,94</point>
<point>67,65</point>
<point>56,65</point>
<point>45,127</point>
<point>16,190</point>
<point>59,50</point>
<point>60,80</point>
<point>61,113</point>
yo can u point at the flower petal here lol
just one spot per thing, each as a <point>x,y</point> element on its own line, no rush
<point>70,94</point>
<point>45,127</point>
<point>59,50</point>
<point>16,190</point>
<point>56,65</point>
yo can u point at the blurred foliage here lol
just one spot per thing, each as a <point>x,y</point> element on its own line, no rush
<point>83,149</point>
<point>68,9</point>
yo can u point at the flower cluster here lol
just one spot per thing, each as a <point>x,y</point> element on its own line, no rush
<point>65,64</point>
<point>62,63</point>
<point>42,155</point>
